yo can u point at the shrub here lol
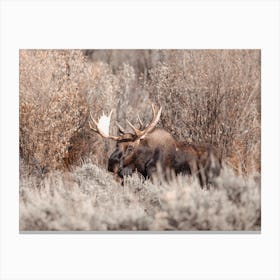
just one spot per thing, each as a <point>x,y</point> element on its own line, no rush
<point>90,199</point>
<point>212,96</point>
<point>58,88</point>
<point>51,107</point>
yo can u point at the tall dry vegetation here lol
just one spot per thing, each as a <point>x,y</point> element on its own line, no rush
<point>213,96</point>
<point>57,90</point>
<point>52,108</point>
<point>207,95</point>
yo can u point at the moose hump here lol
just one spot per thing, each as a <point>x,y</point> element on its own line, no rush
<point>160,138</point>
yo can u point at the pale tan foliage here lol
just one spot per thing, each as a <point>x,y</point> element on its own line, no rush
<point>51,107</point>
<point>90,199</point>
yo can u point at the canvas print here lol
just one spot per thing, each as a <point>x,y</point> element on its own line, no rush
<point>140,140</point>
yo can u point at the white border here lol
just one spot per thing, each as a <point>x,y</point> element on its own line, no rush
<point>146,24</point>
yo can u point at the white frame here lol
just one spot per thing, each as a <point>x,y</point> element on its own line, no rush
<point>135,24</point>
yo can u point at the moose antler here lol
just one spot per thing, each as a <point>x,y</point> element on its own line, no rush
<point>102,126</point>
<point>140,122</point>
<point>142,133</point>
<point>121,129</point>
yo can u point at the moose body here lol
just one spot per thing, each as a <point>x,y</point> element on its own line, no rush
<point>201,158</point>
<point>149,149</point>
<point>143,155</point>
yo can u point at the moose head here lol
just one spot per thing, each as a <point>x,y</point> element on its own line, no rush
<point>139,150</point>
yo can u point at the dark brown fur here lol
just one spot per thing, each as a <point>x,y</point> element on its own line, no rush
<point>159,148</point>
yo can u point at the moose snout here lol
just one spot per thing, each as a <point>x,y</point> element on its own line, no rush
<point>114,161</point>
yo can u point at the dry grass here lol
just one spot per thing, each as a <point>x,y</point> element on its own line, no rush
<point>207,96</point>
<point>90,199</point>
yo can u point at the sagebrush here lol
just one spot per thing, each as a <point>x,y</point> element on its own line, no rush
<point>89,198</point>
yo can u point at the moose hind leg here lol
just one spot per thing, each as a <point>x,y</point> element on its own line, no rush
<point>202,176</point>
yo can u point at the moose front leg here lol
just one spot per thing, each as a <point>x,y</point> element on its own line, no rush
<point>151,164</point>
<point>126,171</point>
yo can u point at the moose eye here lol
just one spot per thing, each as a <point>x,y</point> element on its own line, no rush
<point>129,149</point>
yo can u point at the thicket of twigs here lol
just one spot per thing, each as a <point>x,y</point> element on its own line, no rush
<point>207,96</point>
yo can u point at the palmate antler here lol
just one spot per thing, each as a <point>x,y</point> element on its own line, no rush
<point>102,126</point>
<point>143,132</point>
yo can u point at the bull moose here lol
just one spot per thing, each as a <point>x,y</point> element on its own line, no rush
<point>149,148</point>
